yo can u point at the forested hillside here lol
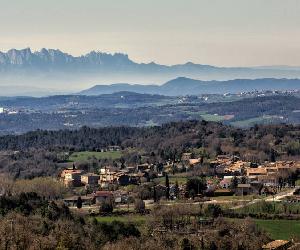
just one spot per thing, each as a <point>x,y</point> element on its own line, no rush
<point>168,140</point>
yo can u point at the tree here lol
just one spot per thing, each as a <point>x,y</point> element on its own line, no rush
<point>139,206</point>
<point>243,180</point>
<point>234,183</point>
<point>79,203</point>
<point>273,155</point>
<point>122,160</point>
<point>106,206</point>
<point>196,186</point>
<point>167,187</point>
<point>214,210</point>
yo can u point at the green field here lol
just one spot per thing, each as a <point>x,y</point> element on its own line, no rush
<point>86,155</point>
<point>137,219</point>
<point>277,229</point>
<point>280,229</point>
<point>205,116</point>
<point>213,118</point>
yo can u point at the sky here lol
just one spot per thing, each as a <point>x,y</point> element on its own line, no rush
<point>215,32</point>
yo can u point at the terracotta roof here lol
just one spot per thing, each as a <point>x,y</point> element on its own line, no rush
<point>256,171</point>
<point>276,244</point>
<point>194,161</point>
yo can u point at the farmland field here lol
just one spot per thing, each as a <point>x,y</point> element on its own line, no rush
<point>280,229</point>
<point>213,118</point>
<point>277,229</point>
<point>86,155</point>
<point>136,219</point>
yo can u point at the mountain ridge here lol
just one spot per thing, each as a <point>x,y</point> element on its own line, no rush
<point>68,73</point>
<point>28,57</point>
<point>186,86</point>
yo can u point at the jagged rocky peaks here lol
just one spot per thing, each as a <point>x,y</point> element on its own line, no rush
<point>55,69</point>
<point>52,56</point>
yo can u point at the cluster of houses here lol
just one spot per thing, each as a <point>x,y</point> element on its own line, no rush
<point>252,178</point>
<point>97,197</point>
<point>106,176</point>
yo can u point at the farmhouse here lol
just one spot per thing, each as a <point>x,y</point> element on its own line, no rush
<point>243,189</point>
<point>270,180</point>
<point>106,177</point>
<point>71,177</point>
<point>90,179</point>
<point>72,201</point>
<point>101,196</point>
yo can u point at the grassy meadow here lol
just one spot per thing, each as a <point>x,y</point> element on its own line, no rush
<point>86,155</point>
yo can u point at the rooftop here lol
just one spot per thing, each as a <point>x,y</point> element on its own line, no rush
<point>276,244</point>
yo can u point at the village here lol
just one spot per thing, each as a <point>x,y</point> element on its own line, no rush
<point>226,181</point>
<point>225,176</point>
<point>192,195</point>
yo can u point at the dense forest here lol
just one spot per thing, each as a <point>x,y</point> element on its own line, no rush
<point>179,136</point>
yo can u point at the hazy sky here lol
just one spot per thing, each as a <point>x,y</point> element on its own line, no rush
<point>218,32</point>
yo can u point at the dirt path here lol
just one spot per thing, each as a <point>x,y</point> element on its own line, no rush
<point>278,197</point>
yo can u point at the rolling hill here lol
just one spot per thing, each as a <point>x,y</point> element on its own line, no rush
<point>185,86</point>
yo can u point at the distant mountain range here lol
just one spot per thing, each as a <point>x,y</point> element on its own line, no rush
<point>186,86</point>
<point>63,72</point>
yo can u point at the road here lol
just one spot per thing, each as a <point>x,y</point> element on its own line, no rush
<point>276,197</point>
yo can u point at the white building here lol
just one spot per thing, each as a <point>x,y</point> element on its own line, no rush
<point>1,110</point>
